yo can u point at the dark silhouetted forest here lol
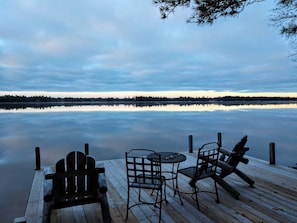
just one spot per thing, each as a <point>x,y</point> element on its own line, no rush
<point>10,102</point>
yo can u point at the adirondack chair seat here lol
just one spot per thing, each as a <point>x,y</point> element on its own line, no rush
<point>227,168</point>
<point>75,180</point>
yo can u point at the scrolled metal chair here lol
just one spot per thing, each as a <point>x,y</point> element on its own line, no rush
<point>206,167</point>
<point>143,173</point>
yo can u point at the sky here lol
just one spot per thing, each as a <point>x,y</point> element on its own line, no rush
<point>123,46</point>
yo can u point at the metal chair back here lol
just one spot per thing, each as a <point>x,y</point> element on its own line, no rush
<point>144,173</point>
<point>207,160</point>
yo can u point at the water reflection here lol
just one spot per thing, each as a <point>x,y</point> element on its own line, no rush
<point>112,130</point>
<point>145,107</point>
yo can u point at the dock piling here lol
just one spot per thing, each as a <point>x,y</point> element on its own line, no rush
<point>37,157</point>
<point>190,144</point>
<point>87,149</point>
<point>220,139</point>
<point>272,153</point>
<point>191,141</point>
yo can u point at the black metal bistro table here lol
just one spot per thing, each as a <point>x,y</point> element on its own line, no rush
<point>169,158</point>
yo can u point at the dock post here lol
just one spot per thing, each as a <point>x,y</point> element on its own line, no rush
<point>220,139</point>
<point>87,149</point>
<point>190,144</point>
<point>272,153</point>
<point>37,158</point>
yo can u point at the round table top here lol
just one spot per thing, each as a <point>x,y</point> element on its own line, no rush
<point>168,157</point>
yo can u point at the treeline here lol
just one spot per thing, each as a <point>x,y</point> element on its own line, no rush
<point>224,98</point>
<point>45,99</point>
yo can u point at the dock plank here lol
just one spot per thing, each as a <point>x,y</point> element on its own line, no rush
<point>34,210</point>
<point>272,199</point>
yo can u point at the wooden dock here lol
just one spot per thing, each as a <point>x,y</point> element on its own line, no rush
<point>272,199</point>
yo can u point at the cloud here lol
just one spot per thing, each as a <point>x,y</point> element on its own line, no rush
<point>124,45</point>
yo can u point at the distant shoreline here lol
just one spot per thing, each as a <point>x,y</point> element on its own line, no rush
<point>13,102</point>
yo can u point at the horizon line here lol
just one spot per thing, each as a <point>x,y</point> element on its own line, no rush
<point>169,94</point>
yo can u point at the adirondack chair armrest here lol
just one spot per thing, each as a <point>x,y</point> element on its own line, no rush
<point>48,184</point>
<point>225,151</point>
<point>244,160</point>
<point>102,178</point>
<point>225,166</point>
<point>228,153</point>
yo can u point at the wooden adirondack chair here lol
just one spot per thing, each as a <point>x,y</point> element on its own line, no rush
<point>228,164</point>
<point>76,181</point>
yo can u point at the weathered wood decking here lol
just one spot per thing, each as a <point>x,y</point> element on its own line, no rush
<point>273,199</point>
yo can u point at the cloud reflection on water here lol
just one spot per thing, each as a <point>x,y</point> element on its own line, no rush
<point>111,130</point>
<point>169,107</point>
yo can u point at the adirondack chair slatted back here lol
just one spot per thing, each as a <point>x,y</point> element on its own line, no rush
<point>76,182</point>
<point>239,150</point>
<point>92,179</point>
<point>235,157</point>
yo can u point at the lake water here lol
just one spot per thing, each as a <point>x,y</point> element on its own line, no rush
<point>112,130</point>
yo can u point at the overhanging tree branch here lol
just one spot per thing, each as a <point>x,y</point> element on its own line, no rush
<point>204,11</point>
<point>208,11</point>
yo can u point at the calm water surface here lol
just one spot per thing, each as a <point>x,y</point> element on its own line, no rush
<point>110,131</point>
